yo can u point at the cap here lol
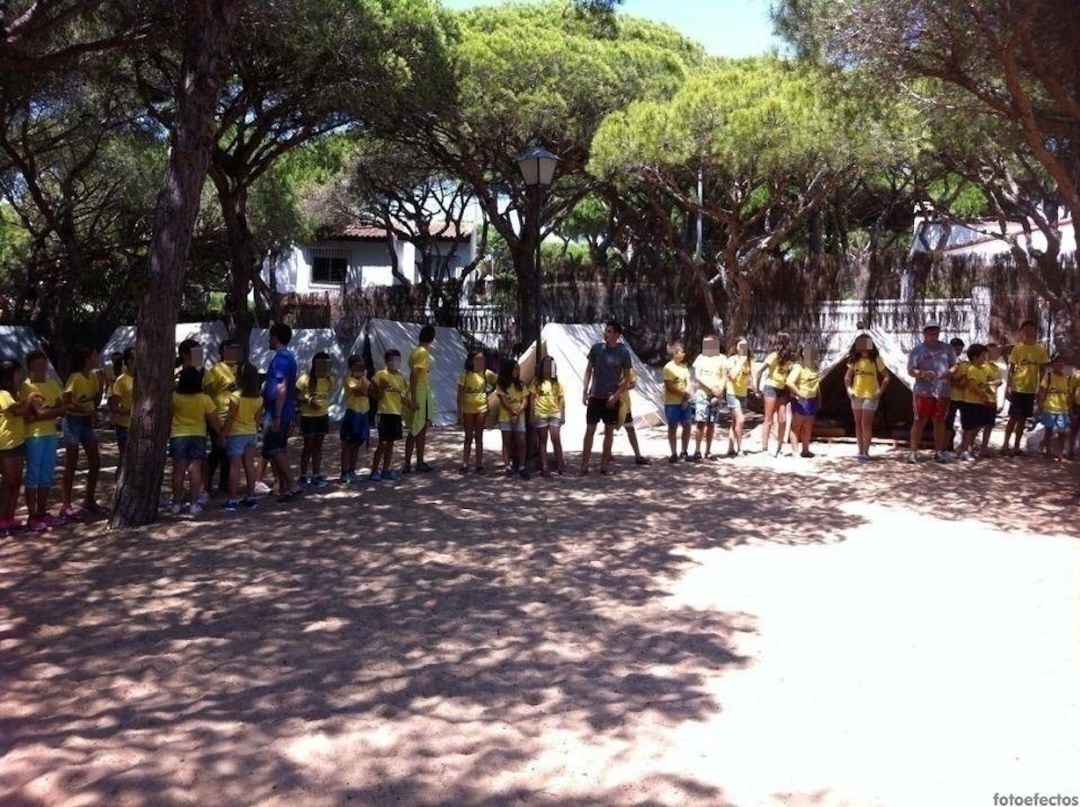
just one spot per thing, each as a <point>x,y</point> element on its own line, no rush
<point>931,326</point>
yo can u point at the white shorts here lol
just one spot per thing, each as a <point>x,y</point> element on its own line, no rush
<point>864,404</point>
<point>544,423</point>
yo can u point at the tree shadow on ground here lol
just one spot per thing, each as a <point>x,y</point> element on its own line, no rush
<point>442,640</point>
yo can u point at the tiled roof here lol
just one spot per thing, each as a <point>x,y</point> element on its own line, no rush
<point>358,230</point>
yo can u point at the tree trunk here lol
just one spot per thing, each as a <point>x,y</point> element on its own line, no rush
<point>528,273</point>
<point>243,260</point>
<point>206,43</point>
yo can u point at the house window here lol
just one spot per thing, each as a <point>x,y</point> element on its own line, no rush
<point>330,266</point>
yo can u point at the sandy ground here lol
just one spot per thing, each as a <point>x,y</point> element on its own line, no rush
<point>759,631</point>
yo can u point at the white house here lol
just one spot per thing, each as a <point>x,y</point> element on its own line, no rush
<point>984,238</point>
<point>357,256</point>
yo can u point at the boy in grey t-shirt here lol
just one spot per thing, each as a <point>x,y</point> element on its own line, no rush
<point>605,379</point>
<point>931,364</point>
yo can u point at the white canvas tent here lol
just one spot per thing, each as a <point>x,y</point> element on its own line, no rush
<point>306,342</point>
<point>448,355</point>
<point>18,340</point>
<point>208,334</point>
<point>569,346</point>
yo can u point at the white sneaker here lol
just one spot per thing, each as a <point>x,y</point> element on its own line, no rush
<point>202,501</point>
<point>196,510</point>
<point>913,457</point>
<point>177,508</point>
<point>965,456</point>
<point>261,488</point>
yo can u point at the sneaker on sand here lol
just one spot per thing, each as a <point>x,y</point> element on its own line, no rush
<point>176,508</point>
<point>196,510</point>
<point>944,457</point>
<point>406,469</point>
<point>250,502</point>
<point>36,525</point>
<point>393,476</point>
<point>319,482</point>
<point>965,456</point>
<point>202,501</point>
<point>303,481</point>
<point>674,458</point>
<point>376,476</point>
<point>913,457</point>
<point>696,456</point>
<point>232,506</point>
<point>70,512</point>
<point>53,521</point>
<point>261,488</point>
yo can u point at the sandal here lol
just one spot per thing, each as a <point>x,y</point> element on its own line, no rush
<point>608,471</point>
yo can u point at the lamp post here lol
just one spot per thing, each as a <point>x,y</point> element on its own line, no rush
<point>537,166</point>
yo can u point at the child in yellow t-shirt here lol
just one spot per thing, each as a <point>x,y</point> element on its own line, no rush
<point>12,444</point>
<point>82,394</point>
<point>193,413</point>
<point>243,415</point>
<point>392,391</point>
<point>474,383</point>
<point>772,382</point>
<point>513,398</point>
<point>548,414</point>
<point>1075,417</point>
<point>866,380</point>
<point>1026,366</point>
<point>738,371</point>
<point>355,430</point>
<point>120,402</point>
<point>1054,401</point>
<point>314,390</point>
<point>677,411</point>
<point>43,400</point>
<point>804,385</point>
<point>978,404</point>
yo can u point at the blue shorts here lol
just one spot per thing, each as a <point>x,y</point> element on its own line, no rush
<point>237,444</point>
<point>736,402</point>
<point>808,408</point>
<point>121,437</point>
<point>1055,421</point>
<point>512,425</point>
<point>676,413</point>
<point>355,428</point>
<point>704,411</point>
<point>79,429</point>
<point>547,423</point>
<point>187,448</point>
<point>41,461</point>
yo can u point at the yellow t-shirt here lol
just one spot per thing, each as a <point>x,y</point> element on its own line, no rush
<point>958,391</point>
<point>189,414</point>
<point>124,389</point>
<point>1058,393</point>
<point>865,376</point>
<point>710,373</point>
<point>980,388</point>
<point>85,393</point>
<point>246,421</point>
<point>356,394</point>
<point>420,365</point>
<point>515,395</point>
<point>778,371</point>
<point>52,395</point>
<point>1024,364</point>
<point>219,382</point>
<point>739,369</point>
<point>1076,388</point>
<point>807,380</point>
<point>323,390</point>
<point>679,376</point>
<point>394,389</point>
<point>12,426</point>
<point>547,398</point>
<point>475,399</point>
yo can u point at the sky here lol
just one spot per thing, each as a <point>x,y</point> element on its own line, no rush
<point>724,27</point>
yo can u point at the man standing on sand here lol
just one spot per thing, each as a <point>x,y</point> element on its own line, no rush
<point>932,365</point>
<point>279,408</point>
<point>606,375</point>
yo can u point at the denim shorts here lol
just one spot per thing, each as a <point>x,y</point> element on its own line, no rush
<point>238,444</point>
<point>355,428</point>
<point>863,404</point>
<point>41,460</point>
<point>512,425</point>
<point>187,448</point>
<point>121,436</point>
<point>1055,421</point>
<point>676,413</point>
<point>79,429</point>
<point>780,395</point>
<point>547,423</point>
<point>736,402</point>
<point>704,411</point>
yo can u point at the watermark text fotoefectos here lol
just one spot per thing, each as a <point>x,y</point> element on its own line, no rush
<point>1036,800</point>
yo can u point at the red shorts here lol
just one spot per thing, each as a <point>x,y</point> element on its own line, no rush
<point>928,407</point>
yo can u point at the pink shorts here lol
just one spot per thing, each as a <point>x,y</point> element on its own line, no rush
<point>928,407</point>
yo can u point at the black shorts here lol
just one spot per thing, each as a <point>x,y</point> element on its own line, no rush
<point>955,408</point>
<point>598,410</point>
<point>274,440</point>
<point>315,425</point>
<point>977,416</point>
<point>1021,405</point>
<point>390,428</point>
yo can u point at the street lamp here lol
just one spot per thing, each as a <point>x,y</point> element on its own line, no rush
<point>537,166</point>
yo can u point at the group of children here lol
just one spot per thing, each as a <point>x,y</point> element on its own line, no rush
<point>218,413</point>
